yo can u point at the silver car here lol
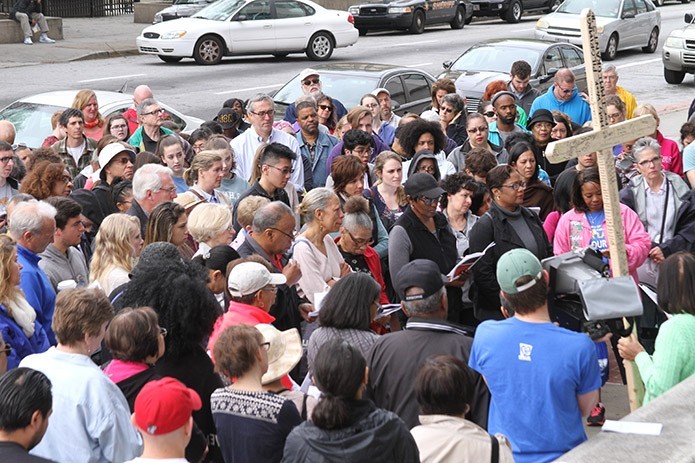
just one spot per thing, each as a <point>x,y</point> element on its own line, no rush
<point>31,115</point>
<point>622,24</point>
<point>181,9</point>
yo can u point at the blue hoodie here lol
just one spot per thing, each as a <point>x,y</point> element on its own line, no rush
<point>575,107</point>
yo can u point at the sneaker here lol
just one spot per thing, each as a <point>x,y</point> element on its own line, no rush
<point>27,41</point>
<point>597,416</point>
<point>45,39</point>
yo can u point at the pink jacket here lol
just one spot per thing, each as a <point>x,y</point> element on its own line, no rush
<point>670,154</point>
<point>574,232</point>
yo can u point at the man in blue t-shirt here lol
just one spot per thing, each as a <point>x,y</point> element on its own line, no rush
<point>543,379</point>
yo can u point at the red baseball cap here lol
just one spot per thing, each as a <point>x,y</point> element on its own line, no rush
<point>165,405</point>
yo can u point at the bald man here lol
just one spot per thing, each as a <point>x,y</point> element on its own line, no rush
<point>7,132</point>
<point>141,92</point>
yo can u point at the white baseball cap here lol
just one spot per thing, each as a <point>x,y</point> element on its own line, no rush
<point>308,72</point>
<point>112,150</point>
<point>249,277</point>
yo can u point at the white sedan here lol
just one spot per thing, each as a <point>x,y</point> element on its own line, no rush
<point>245,27</point>
<point>621,24</point>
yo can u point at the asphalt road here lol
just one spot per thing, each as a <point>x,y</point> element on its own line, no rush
<point>200,91</point>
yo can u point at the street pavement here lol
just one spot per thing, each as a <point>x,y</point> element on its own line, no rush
<point>113,37</point>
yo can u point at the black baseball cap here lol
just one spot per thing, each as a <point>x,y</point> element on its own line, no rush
<point>420,273</point>
<point>422,184</point>
<point>227,118</point>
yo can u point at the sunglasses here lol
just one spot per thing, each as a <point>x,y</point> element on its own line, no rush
<point>311,81</point>
<point>325,107</point>
<point>489,113</point>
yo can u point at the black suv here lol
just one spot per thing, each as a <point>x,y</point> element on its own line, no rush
<point>511,10</point>
<point>410,15</point>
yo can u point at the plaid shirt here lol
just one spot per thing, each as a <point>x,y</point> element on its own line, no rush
<point>60,148</point>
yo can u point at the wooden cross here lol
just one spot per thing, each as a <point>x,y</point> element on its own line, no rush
<point>601,140</point>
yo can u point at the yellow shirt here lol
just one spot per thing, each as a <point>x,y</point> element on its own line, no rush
<point>628,99</point>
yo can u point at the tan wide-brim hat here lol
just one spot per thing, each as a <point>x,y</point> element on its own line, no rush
<point>284,353</point>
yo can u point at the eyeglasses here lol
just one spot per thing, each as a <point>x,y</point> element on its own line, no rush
<point>18,146</point>
<point>119,127</point>
<point>270,289</point>
<point>163,332</point>
<point>359,243</point>
<point>154,111</point>
<point>565,91</point>
<point>171,190</point>
<point>429,201</point>
<point>489,114</point>
<point>291,237</point>
<point>362,151</point>
<point>614,116</point>
<point>325,107</point>
<point>124,160</point>
<point>516,186</point>
<point>6,159</point>
<point>311,81</point>
<point>285,172</point>
<point>266,346</point>
<point>477,129</point>
<point>262,114</point>
<point>655,160</point>
<point>7,349</point>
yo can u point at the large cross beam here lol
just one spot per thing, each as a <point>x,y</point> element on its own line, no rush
<point>602,139</point>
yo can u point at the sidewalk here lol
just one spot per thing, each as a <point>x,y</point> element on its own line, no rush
<point>85,38</point>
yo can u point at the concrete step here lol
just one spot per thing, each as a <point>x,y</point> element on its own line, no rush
<point>11,32</point>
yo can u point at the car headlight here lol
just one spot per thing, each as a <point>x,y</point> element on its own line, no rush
<point>157,18</point>
<point>542,24</point>
<point>399,9</point>
<point>354,10</point>
<point>173,35</point>
<point>674,42</point>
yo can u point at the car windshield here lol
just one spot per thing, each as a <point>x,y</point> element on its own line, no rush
<point>603,8</point>
<point>31,121</point>
<point>494,58</point>
<point>346,88</point>
<point>220,10</point>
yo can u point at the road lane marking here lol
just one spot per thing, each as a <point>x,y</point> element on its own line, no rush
<point>408,44</point>
<point>109,78</point>
<point>638,63</point>
<point>226,92</point>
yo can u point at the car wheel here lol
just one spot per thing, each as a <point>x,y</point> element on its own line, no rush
<point>209,50</point>
<point>554,5</point>
<point>611,48</point>
<point>513,14</point>
<point>653,41</point>
<point>418,25</point>
<point>362,31</point>
<point>170,59</point>
<point>468,21</point>
<point>459,18</point>
<point>673,77</point>
<point>320,47</point>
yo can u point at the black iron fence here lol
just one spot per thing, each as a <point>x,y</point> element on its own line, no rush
<point>79,8</point>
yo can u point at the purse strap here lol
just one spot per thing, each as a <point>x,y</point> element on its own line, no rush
<point>495,451</point>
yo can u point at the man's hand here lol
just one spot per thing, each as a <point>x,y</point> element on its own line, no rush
<point>304,310</point>
<point>292,272</point>
<point>459,280</point>
<point>657,255</point>
<point>629,347</point>
<point>584,97</point>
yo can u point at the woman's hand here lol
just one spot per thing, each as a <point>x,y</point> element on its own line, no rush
<point>657,255</point>
<point>629,347</point>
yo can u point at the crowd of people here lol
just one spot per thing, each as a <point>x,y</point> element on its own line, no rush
<point>262,290</point>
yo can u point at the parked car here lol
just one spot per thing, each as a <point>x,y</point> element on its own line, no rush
<point>622,24</point>
<point>678,54</point>
<point>410,15</point>
<point>410,88</point>
<point>251,27</point>
<point>661,2</point>
<point>511,10</point>
<point>31,115</point>
<point>492,60</point>
<point>180,9</point>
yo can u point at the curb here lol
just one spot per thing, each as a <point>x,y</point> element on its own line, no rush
<point>105,54</point>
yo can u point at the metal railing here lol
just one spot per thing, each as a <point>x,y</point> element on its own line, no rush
<point>78,8</point>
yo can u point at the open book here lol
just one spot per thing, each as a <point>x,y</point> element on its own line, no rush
<point>467,262</point>
<point>386,310</point>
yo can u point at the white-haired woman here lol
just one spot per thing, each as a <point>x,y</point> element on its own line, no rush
<point>314,250</point>
<point>210,225</point>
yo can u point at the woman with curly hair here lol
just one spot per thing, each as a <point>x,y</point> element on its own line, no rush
<point>47,179</point>
<point>18,324</point>
<point>177,290</point>
<point>86,101</point>
<point>420,135</point>
<point>118,244</point>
